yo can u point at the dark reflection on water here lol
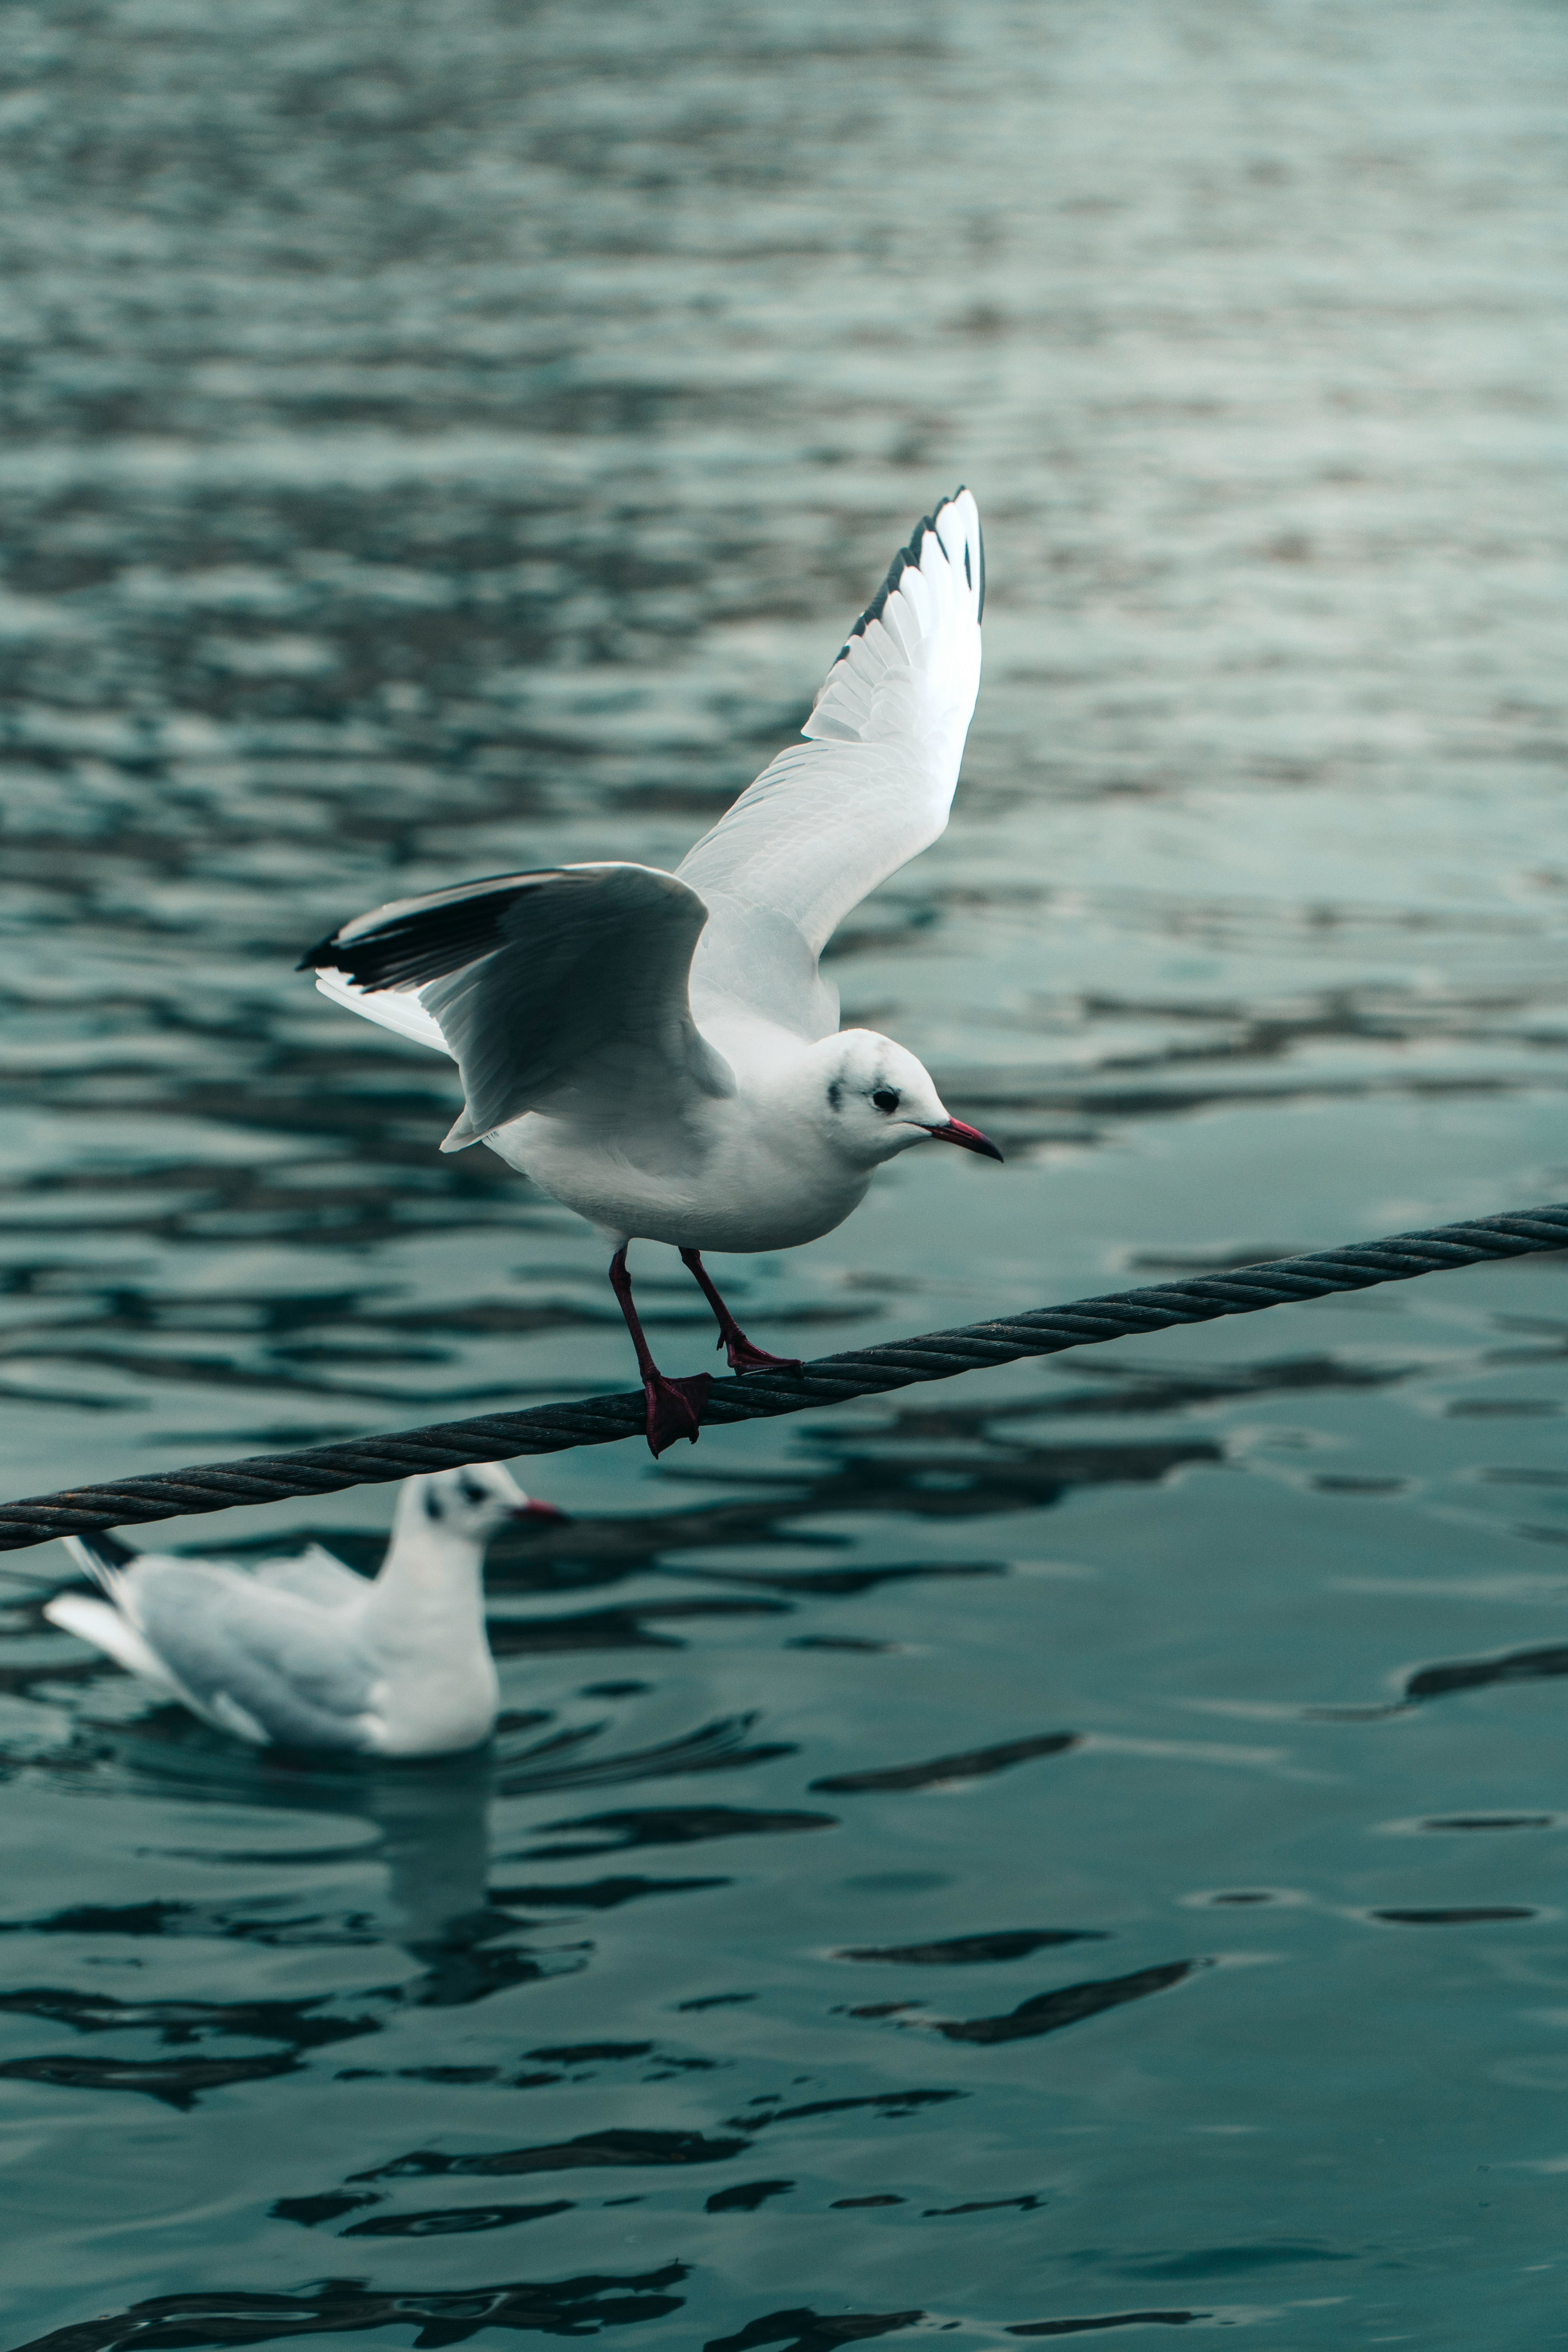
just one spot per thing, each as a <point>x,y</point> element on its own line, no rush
<point>942,1772</point>
<point>1049,2012</point>
<point>810,2331</point>
<point>964,1951</point>
<point>573,2306</point>
<point>452,439</point>
<point>445,2222</point>
<point>1109,2319</point>
<point>1474,1674</point>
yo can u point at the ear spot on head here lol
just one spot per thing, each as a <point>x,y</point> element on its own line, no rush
<point>835,1095</point>
<point>433,1505</point>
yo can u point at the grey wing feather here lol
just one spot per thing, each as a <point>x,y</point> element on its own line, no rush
<point>548,987</point>
<point>291,1666</point>
<point>869,788</point>
<point>315,1576</point>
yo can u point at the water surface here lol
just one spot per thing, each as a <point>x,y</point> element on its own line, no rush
<point>1075,1850</point>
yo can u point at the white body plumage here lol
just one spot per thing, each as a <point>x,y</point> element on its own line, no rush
<point>765,1168</point>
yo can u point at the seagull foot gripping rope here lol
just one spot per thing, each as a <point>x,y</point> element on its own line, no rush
<point>830,1379</point>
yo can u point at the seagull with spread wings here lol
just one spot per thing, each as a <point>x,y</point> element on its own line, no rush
<point>659,1052</point>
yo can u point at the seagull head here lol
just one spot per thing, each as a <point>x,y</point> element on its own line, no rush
<point>876,1100</point>
<point>473,1503</point>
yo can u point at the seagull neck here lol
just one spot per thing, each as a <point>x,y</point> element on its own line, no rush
<point>429,1565</point>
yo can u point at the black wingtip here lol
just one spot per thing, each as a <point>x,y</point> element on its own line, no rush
<point>108,1550</point>
<point>906,556</point>
<point>418,939</point>
<point>911,554</point>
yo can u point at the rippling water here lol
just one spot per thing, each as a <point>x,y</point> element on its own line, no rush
<point>1076,1850</point>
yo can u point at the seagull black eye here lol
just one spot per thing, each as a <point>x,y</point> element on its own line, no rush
<point>472,1491</point>
<point>886,1098</point>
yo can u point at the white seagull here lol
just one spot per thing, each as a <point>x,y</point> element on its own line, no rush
<point>659,1050</point>
<point>304,1653</point>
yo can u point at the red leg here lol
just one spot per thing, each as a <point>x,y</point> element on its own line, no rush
<point>674,1407</point>
<point>744,1357</point>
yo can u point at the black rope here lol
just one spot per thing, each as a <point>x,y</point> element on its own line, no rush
<point>831,1379</point>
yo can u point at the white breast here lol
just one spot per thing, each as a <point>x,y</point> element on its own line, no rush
<point>740,1181</point>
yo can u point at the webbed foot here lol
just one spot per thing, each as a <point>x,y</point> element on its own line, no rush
<point>745,1357</point>
<point>674,1409</point>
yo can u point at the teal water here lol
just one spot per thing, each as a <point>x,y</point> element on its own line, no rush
<point>442,437</point>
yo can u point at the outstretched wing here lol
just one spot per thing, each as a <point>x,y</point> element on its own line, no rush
<point>562,991</point>
<point>403,1015</point>
<point>869,788</point>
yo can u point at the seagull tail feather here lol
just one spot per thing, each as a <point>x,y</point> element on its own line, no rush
<point>102,1556</point>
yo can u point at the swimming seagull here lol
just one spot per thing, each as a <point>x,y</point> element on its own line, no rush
<point>659,1050</point>
<point>303,1652</point>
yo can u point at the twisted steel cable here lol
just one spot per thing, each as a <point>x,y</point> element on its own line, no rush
<point>830,1379</point>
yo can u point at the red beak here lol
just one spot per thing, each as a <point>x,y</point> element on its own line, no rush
<point>970,1137</point>
<point>532,1510</point>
